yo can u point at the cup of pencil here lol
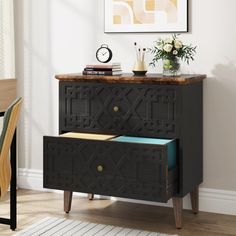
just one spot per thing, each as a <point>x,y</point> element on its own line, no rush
<point>140,67</point>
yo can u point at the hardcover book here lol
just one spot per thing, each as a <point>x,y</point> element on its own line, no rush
<point>119,72</point>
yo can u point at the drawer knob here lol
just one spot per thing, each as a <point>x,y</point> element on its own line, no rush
<point>116,109</point>
<point>100,168</point>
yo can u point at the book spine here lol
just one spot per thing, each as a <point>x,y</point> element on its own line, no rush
<point>97,72</point>
<point>104,66</point>
<point>98,69</point>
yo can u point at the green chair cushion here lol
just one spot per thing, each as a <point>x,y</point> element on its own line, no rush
<point>6,120</point>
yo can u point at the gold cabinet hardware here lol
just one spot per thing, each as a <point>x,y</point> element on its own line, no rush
<point>115,108</point>
<point>100,168</point>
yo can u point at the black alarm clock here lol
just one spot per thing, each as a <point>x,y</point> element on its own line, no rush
<point>104,54</point>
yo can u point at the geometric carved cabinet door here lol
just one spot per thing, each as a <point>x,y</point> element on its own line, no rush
<point>141,110</point>
<point>138,171</point>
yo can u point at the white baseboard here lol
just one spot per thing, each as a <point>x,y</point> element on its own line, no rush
<point>210,200</point>
<point>30,179</point>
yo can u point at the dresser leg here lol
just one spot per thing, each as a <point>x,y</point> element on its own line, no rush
<point>178,207</point>
<point>194,196</point>
<point>90,196</point>
<point>67,201</point>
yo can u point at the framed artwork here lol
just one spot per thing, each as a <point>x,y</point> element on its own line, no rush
<point>146,16</point>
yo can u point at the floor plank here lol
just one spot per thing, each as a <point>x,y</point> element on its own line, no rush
<point>34,206</point>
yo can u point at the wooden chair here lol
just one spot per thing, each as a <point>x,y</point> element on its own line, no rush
<point>11,117</point>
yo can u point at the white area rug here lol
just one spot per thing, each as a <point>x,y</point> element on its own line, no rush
<point>64,227</point>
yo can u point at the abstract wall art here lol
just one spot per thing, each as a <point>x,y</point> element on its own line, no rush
<point>146,16</point>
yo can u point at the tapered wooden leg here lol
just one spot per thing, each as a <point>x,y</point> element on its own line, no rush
<point>178,207</point>
<point>90,196</point>
<point>67,201</point>
<point>194,195</point>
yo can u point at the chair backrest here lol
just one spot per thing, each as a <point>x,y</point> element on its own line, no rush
<point>11,117</point>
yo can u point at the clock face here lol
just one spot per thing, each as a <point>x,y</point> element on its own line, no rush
<point>104,54</point>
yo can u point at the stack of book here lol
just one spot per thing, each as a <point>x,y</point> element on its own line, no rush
<point>103,69</point>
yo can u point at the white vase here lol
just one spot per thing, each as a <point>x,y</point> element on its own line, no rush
<point>140,67</point>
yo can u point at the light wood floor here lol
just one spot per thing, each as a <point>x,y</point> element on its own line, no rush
<point>33,206</point>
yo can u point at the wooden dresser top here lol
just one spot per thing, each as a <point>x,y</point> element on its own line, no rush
<point>130,78</point>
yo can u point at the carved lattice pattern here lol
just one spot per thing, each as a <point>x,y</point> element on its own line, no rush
<point>129,170</point>
<point>143,110</point>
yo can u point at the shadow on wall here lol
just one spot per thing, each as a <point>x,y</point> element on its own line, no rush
<point>224,89</point>
<point>27,60</point>
<point>220,127</point>
<point>225,71</point>
<point>38,25</point>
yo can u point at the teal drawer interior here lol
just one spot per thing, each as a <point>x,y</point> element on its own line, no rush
<point>170,143</point>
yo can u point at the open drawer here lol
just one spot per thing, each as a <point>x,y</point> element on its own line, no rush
<point>109,165</point>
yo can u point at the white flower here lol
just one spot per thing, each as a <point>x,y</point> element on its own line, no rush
<point>178,44</point>
<point>167,47</point>
<point>175,52</point>
<point>168,40</point>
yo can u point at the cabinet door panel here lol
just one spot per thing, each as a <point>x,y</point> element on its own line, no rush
<point>128,170</point>
<point>140,110</point>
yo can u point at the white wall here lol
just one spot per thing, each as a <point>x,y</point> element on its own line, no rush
<point>7,56</point>
<point>60,36</point>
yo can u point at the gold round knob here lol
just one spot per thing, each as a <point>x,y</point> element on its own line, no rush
<point>100,168</point>
<point>116,109</point>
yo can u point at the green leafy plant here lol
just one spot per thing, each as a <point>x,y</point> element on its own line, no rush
<point>172,49</point>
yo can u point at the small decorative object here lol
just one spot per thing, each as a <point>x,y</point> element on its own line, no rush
<point>104,54</point>
<point>146,16</point>
<point>171,51</point>
<point>140,67</point>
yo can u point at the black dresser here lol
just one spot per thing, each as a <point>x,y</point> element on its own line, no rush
<point>93,110</point>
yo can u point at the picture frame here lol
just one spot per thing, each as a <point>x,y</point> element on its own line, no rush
<point>131,16</point>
